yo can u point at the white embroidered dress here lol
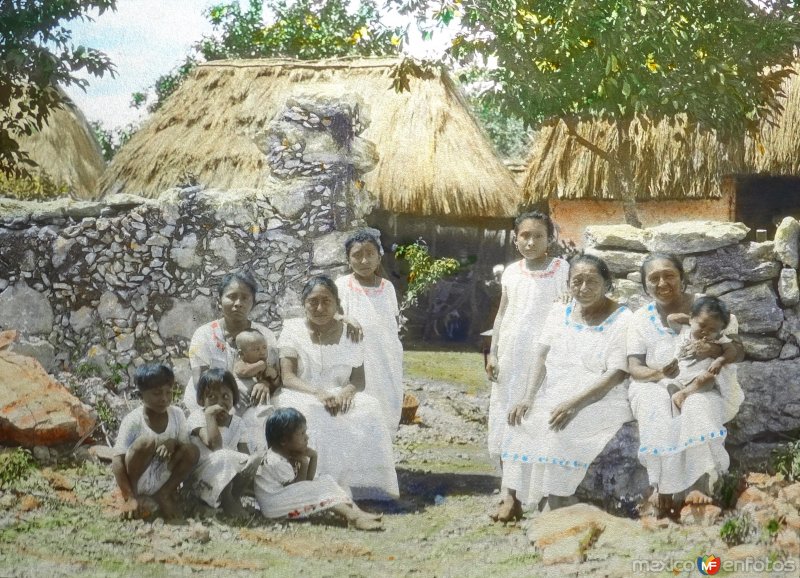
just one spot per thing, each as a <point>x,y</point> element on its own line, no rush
<point>278,497</point>
<point>216,468</point>
<point>530,295</point>
<point>678,451</point>
<point>376,310</point>
<point>133,427</point>
<point>539,461</point>
<point>355,448</point>
<point>208,348</point>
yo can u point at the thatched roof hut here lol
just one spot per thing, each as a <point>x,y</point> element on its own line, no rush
<point>672,159</point>
<point>66,151</point>
<point>434,158</point>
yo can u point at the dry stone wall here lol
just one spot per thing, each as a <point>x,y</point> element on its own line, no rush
<point>128,280</point>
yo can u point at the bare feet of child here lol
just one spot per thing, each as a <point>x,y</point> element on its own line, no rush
<point>509,509</point>
<point>232,506</point>
<point>697,497</point>
<point>168,503</point>
<point>366,523</point>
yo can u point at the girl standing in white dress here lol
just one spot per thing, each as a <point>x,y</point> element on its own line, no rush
<point>530,287</point>
<point>225,469</point>
<point>576,398</point>
<point>369,303</point>
<point>286,485</point>
<point>323,378</point>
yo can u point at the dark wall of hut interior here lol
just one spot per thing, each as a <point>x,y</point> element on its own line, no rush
<point>454,313</point>
<point>762,201</point>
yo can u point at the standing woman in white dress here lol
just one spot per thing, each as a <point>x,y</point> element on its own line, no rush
<point>370,305</point>
<point>685,453</point>
<point>323,378</point>
<point>530,287</point>
<point>576,396</point>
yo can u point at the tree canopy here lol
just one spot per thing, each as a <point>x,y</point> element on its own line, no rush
<point>721,62</point>
<point>304,29</point>
<point>37,55</point>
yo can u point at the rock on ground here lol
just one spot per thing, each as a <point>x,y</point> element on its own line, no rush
<point>625,237</point>
<point>786,238</point>
<point>35,410</point>
<point>693,236</point>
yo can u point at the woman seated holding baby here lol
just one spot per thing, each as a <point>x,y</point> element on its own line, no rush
<point>683,388</point>
<point>323,378</point>
<point>244,347</point>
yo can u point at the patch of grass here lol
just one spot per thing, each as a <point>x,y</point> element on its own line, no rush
<point>15,466</point>
<point>456,367</point>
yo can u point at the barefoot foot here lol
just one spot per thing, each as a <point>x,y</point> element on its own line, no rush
<point>366,524</point>
<point>168,503</point>
<point>697,497</point>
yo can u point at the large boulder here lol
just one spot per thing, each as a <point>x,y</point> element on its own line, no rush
<point>693,236</point>
<point>35,410</point>
<point>616,480</point>
<point>625,237</point>
<point>41,350</point>
<point>756,308</point>
<point>760,347</point>
<point>786,238</point>
<point>185,316</point>
<point>771,408</point>
<point>619,262</point>
<point>741,262</point>
<point>26,310</point>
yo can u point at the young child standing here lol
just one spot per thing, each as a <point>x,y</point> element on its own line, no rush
<point>530,286</point>
<point>707,320</point>
<point>369,303</point>
<point>152,454</point>
<point>224,469</point>
<point>256,362</point>
<point>285,484</point>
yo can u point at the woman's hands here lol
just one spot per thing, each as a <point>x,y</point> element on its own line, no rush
<point>259,394</point>
<point>353,328</point>
<point>340,402</point>
<point>563,413</point>
<point>670,370</point>
<point>518,412</point>
<point>492,367</point>
<point>702,349</point>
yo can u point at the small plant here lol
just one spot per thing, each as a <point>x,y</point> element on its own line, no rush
<point>15,466</point>
<point>786,460</point>
<point>727,489</point>
<point>106,415</point>
<point>424,270</point>
<point>738,529</point>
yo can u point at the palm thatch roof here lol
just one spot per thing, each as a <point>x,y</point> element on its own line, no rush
<point>66,151</point>
<point>775,150</point>
<point>671,158</point>
<point>434,158</point>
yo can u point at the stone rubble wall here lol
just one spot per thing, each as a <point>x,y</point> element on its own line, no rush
<point>127,280</point>
<point>758,282</point>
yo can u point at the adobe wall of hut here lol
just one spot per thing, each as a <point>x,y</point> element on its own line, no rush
<point>574,215</point>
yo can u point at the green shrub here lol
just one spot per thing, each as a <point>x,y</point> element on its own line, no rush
<point>786,461</point>
<point>15,466</point>
<point>33,188</point>
<point>726,490</point>
<point>738,529</point>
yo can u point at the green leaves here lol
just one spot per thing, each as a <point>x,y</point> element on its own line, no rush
<point>36,55</point>
<point>424,270</point>
<point>617,58</point>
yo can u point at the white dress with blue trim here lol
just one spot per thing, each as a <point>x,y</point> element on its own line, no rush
<point>678,450</point>
<point>539,461</point>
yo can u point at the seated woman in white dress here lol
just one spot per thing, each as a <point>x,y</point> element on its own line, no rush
<point>576,397</point>
<point>323,378</point>
<point>683,454</point>
<point>214,345</point>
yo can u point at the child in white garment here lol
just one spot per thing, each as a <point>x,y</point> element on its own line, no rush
<point>286,485</point>
<point>707,319</point>
<point>225,469</point>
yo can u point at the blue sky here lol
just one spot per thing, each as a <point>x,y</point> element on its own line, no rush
<point>145,39</point>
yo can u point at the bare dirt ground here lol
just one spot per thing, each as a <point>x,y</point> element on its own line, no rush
<point>61,522</point>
